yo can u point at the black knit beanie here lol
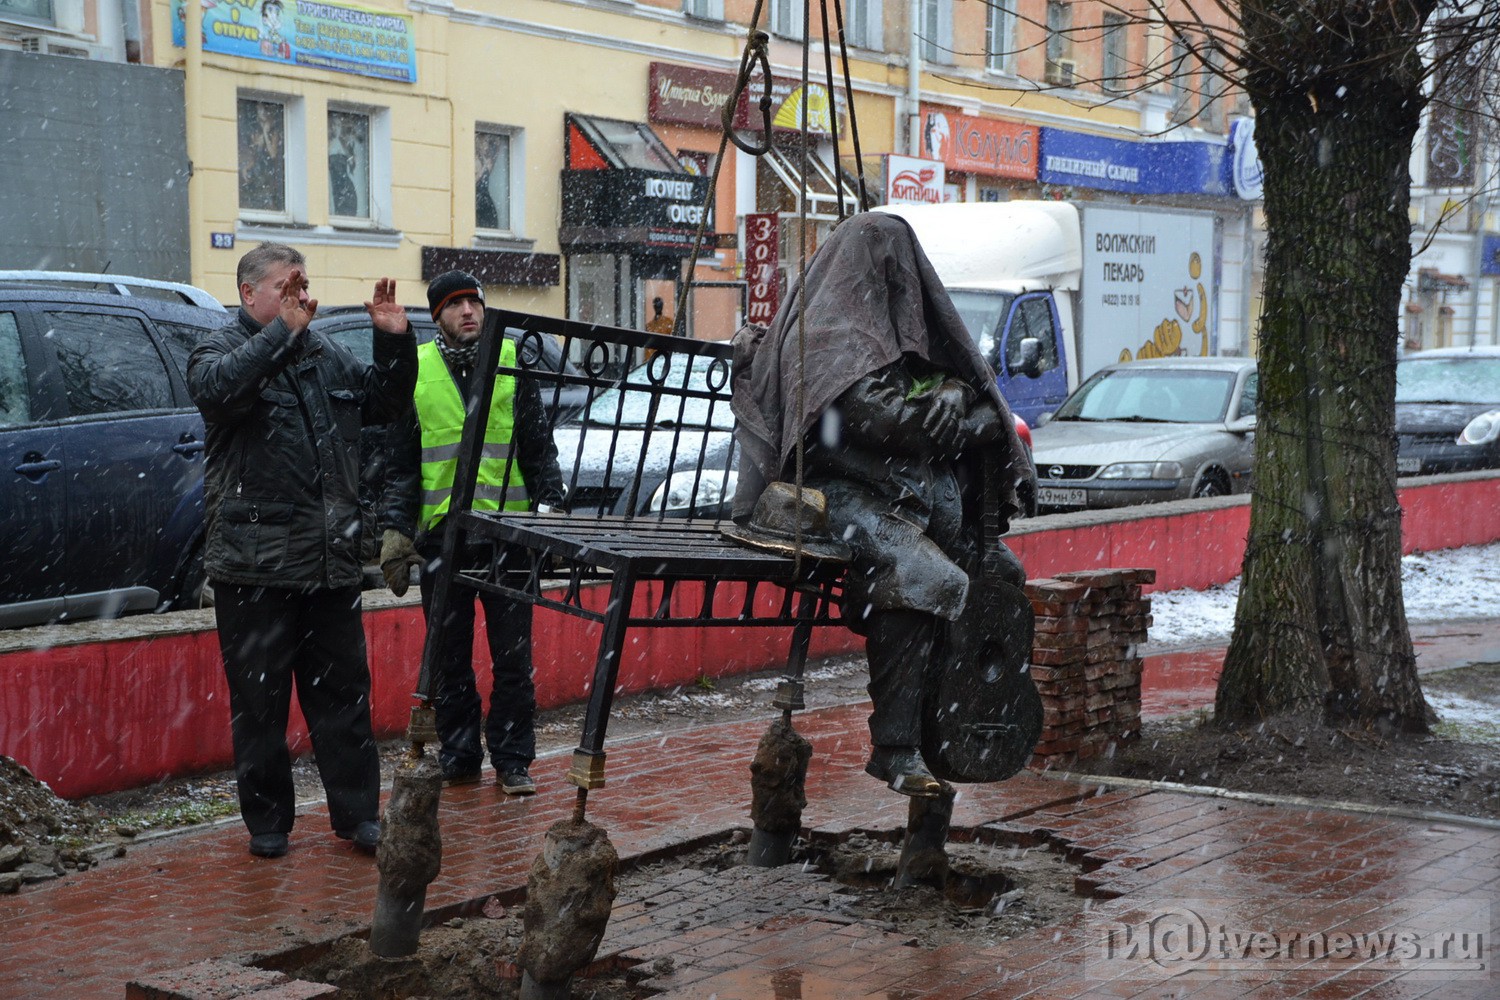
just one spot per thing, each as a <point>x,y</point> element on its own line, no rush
<point>451,285</point>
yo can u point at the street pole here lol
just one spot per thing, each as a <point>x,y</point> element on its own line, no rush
<point>914,82</point>
<point>192,105</point>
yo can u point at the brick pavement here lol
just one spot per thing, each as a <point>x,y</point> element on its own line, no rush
<point>184,899</point>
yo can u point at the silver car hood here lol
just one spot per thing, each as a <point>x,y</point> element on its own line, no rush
<point>1081,442</point>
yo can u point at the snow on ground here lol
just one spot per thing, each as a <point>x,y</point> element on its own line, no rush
<point>1437,586</point>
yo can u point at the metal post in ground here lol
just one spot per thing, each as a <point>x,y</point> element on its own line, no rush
<point>923,858</point>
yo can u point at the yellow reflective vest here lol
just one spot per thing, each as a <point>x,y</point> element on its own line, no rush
<point>440,415</point>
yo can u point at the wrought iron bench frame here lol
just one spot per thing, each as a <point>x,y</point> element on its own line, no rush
<point>541,552</point>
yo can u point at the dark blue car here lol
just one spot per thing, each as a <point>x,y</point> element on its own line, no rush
<point>101,450</point>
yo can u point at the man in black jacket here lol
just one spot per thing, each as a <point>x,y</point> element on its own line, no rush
<point>519,470</point>
<point>283,408</point>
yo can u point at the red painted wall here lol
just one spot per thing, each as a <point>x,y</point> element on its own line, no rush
<point>106,715</point>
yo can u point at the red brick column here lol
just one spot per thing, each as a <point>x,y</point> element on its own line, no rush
<point>1085,663</point>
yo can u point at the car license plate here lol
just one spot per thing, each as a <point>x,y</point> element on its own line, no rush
<point>1409,465</point>
<point>1056,497</point>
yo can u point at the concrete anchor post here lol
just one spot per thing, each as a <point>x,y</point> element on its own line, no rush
<point>568,900</point>
<point>923,858</point>
<point>409,857</point>
<point>778,783</point>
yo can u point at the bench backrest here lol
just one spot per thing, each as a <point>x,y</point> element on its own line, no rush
<point>657,441</point>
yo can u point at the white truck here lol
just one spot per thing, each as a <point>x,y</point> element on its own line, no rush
<point>1090,284</point>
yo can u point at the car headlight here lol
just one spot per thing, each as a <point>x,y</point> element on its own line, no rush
<point>1482,429</point>
<point>692,489</point>
<point>1141,470</point>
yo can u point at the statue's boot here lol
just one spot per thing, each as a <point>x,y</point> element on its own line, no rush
<point>899,648</point>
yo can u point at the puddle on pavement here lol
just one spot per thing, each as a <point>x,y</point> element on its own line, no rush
<point>993,892</point>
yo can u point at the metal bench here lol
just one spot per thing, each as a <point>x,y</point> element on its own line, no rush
<point>625,525</point>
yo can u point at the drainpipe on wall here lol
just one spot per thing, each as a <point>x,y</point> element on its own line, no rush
<point>1481,210</point>
<point>914,82</point>
<point>192,102</point>
<point>130,21</point>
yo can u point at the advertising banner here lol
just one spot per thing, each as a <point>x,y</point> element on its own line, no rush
<point>1247,173</point>
<point>1149,281</point>
<point>1105,164</point>
<point>910,180</point>
<point>980,145</point>
<point>687,95</point>
<point>762,281</point>
<point>331,36</point>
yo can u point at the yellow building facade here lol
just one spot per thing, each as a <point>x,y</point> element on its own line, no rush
<point>560,149</point>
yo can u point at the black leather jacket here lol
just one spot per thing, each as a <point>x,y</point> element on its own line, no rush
<point>283,415</point>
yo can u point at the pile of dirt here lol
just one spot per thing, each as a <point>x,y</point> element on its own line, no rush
<point>993,893</point>
<point>1454,770</point>
<point>41,835</point>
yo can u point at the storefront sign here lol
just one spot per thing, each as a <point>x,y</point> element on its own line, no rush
<point>1092,161</point>
<point>980,145</point>
<point>329,36</point>
<point>660,209</point>
<point>686,95</point>
<point>913,181</point>
<point>1490,256</point>
<point>1245,170</point>
<point>762,281</point>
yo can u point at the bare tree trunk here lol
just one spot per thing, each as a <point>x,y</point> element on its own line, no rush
<point>1320,618</point>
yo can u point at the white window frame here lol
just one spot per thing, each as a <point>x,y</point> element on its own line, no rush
<point>936,31</point>
<point>785,17</point>
<point>381,208</point>
<point>517,194</point>
<point>295,153</point>
<point>999,37</point>
<point>864,24</point>
<point>709,10</point>
<point>1117,30</point>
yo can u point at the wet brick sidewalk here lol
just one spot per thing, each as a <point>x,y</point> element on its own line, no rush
<point>180,900</point>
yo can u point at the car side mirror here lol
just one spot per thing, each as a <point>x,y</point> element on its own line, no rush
<point>1031,357</point>
<point>1241,425</point>
<point>1043,419</point>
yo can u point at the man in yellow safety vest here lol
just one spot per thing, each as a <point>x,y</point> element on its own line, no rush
<point>518,470</point>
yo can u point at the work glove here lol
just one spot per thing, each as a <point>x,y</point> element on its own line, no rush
<point>397,556</point>
<point>946,406</point>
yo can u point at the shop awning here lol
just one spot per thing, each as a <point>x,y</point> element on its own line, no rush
<point>823,186</point>
<point>624,190</point>
<point>611,144</point>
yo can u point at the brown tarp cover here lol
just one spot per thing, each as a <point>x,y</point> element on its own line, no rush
<point>872,297</point>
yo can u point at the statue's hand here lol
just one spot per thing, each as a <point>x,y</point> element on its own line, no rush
<point>946,406</point>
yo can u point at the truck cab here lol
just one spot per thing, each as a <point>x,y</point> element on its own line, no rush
<point>1012,270</point>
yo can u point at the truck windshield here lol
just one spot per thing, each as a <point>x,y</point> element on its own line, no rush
<point>984,314</point>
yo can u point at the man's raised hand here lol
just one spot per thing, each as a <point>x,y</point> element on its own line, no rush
<point>297,310</point>
<point>386,314</point>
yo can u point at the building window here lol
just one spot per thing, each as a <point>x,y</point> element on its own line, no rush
<point>786,18</point>
<point>1116,39</point>
<point>30,10</point>
<point>712,10</point>
<point>263,159</point>
<point>1181,78</point>
<point>1060,66</point>
<point>936,30</point>
<point>272,158</point>
<point>349,165</point>
<point>496,152</point>
<point>1211,91</point>
<point>864,25</point>
<point>999,37</point>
